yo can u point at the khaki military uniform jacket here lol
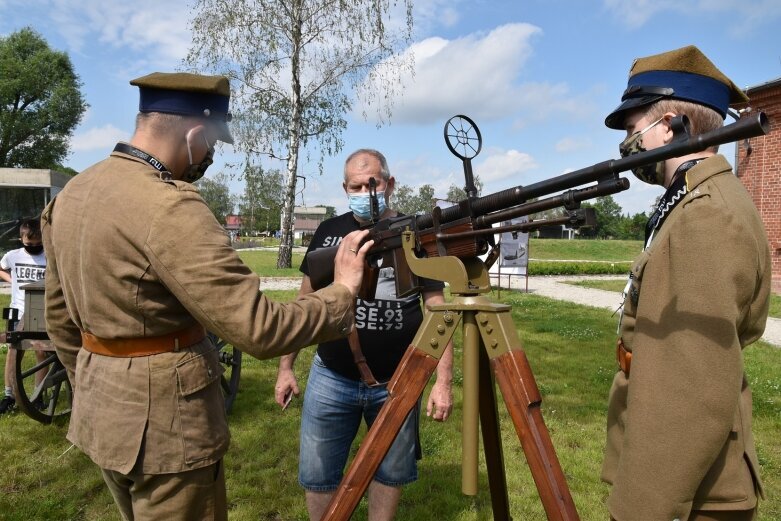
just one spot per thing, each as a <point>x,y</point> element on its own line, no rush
<point>679,427</point>
<point>133,255</point>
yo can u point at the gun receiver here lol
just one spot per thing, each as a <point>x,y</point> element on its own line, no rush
<point>464,229</point>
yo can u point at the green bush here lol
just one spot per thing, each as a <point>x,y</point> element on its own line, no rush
<point>578,268</point>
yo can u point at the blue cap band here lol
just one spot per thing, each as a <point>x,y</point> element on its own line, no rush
<point>687,86</point>
<point>181,102</point>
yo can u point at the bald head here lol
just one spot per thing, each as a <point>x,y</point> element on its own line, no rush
<point>364,159</point>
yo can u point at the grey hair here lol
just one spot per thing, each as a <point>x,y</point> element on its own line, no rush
<point>384,170</point>
<point>162,122</point>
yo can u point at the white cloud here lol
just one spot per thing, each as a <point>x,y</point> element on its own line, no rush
<point>429,14</point>
<point>504,164</point>
<point>570,144</point>
<point>741,16</point>
<point>98,138</point>
<point>539,101</point>
<point>156,28</point>
<point>474,75</point>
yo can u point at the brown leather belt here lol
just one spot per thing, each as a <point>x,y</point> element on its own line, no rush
<point>360,361</point>
<point>143,346</point>
<point>624,357</point>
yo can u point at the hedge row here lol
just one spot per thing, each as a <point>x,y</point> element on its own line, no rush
<point>578,268</point>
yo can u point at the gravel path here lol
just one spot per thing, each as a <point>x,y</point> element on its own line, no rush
<point>555,287</point>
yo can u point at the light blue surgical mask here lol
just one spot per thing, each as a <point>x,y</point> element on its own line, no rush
<point>360,204</point>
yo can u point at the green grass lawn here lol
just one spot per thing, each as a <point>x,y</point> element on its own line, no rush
<point>593,250</point>
<point>264,263</point>
<point>570,349</point>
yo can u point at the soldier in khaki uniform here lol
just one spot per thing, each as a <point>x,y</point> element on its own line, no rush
<point>138,267</point>
<point>679,443</point>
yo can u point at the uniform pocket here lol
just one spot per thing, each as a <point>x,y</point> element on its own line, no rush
<point>729,479</point>
<point>201,407</point>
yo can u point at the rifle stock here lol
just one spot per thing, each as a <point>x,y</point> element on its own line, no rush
<point>447,231</point>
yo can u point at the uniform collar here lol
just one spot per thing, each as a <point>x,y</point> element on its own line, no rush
<point>706,169</point>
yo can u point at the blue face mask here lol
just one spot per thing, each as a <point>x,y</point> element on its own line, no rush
<point>361,205</point>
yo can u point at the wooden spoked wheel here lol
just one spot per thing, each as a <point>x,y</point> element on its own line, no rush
<point>40,381</point>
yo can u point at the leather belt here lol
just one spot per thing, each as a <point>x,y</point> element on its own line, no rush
<point>623,356</point>
<point>143,346</point>
<point>360,361</point>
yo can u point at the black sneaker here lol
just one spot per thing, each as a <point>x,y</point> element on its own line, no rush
<point>7,404</point>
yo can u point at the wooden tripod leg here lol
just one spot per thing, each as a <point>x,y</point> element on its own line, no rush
<point>404,389</point>
<point>492,442</point>
<point>522,397</point>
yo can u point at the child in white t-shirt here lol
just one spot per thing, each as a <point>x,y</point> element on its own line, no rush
<point>19,267</point>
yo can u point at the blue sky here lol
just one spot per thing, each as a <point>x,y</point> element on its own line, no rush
<point>538,78</point>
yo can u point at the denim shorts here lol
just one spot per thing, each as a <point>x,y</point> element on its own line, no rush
<point>333,408</point>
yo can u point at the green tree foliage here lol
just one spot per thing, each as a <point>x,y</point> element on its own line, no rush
<point>632,227</point>
<point>611,224</point>
<point>405,200</point>
<point>40,102</point>
<point>457,193</point>
<point>261,203</point>
<point>216,193</point>
<point>295,66</point>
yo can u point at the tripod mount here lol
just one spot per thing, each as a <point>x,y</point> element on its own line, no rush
<point>491,352</point>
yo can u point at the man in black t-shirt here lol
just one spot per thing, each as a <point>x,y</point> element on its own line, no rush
<point>336,397</point>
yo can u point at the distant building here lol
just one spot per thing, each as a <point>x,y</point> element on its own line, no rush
<point>24,192</point>
<point>233,223</point>
<point>556,231</point>
<point>306,219</point>
<point>758,165</point>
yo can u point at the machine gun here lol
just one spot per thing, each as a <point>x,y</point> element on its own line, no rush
<point>465,229</point>
<point>444,246</point>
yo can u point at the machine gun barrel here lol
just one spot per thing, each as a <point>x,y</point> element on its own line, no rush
<point>755,125</point>
<point>568,199</point>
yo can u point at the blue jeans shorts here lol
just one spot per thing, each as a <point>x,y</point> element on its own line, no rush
<point>333,408</point>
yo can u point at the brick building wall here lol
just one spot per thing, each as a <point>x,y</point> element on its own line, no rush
<point>758,165</point>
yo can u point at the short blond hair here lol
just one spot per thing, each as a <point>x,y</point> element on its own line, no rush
<point>701,118</point>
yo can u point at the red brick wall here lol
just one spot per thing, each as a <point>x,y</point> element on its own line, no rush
<point>760,170</point>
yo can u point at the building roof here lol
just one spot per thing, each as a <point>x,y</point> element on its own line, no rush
<point>763,86</point>
<point>32,178</point>
<point>311,210</point>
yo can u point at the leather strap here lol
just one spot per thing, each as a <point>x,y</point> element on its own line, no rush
<point>360,360</point>
<point>623,356</point>
<point>143,346</point>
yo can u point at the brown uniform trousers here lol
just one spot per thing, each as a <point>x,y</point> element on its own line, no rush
<point>679,426</point>
<point>132,254</point>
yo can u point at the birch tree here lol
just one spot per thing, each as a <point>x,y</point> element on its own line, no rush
<point>296,68</point>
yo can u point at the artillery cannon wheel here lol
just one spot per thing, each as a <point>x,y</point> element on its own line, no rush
<point>230,357</point>
<point>45,401</point>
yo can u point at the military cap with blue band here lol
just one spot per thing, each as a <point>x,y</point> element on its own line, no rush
<point>187,94</point>
<point>683,74</point>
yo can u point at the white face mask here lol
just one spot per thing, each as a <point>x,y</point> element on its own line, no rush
<point>193,172</point>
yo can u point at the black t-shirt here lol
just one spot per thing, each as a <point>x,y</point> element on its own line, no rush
<point>386,325</point>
